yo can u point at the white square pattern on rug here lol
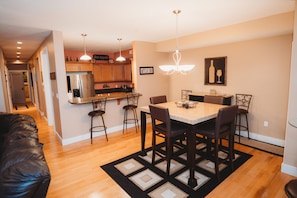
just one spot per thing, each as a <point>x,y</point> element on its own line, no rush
<point>174,166</point>
<point>145,179</point>
<point>129,166</point>
<point>167,190</point>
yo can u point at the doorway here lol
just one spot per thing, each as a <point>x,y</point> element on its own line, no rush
<point>17,87</point>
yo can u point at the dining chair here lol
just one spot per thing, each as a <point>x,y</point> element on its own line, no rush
<point>131,106</point>
<point>243,102</point>
<point>158,99</point>
<point>172,130</point>
<point>223,126</point>
<point>98,111</point>
<point>213,99</point>
<point>185,94</point>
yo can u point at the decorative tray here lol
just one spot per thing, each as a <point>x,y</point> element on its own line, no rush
<point>186,104</point>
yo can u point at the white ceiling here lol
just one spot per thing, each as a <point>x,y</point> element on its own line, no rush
<point>104,21</point>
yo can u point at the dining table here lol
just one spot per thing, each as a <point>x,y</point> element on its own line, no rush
<point>191,115</point>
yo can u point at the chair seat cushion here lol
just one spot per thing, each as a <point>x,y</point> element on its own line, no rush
<point>96,113</point>
<point>208,128</point>
<point>242,111</point>
<point>176,128</point>
<point>129,107</point>
<point>291,188</point>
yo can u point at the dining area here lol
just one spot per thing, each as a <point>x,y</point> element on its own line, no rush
<point>193,123</point>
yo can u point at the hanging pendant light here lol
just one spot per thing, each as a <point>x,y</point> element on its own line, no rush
<point>120,58</point>
<point>176,68</point>
<point>85,56</point>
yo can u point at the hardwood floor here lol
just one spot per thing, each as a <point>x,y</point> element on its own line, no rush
<point>75,169</point>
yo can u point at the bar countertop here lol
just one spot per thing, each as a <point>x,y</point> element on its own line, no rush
<point>109,96</point>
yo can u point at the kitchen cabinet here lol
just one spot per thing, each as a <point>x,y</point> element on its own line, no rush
<point>118,72</point>
<point>127,72</point>
<point>112,72</point>
<point>78,67</point>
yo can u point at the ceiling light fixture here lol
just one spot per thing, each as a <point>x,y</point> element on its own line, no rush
<point>85,56</point>
<point>120,58</point>
<point>170,69</point>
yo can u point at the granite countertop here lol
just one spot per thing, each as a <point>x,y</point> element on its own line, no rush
<point>109,96</point>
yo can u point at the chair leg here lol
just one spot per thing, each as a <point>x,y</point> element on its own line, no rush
<point>153,147</point>
<point>91,130</point>
<point>135,119</point>
<point>169,151</point>
<point>247,126</point>
<point>217,170</point>
<point>125,121</point>
<point>104,128</point>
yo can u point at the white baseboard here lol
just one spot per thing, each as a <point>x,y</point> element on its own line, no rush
<point>87,136</point>
<point>288,169</point>
<point>263,138</point>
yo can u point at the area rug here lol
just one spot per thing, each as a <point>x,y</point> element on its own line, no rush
<point>139,178</point>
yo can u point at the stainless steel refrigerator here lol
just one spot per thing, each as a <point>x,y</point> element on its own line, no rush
<point>81,84</point>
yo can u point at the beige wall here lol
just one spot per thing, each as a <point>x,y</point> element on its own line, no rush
<point>289,164</point>
<point>259,67</point>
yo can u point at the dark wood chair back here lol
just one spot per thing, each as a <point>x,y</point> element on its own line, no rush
<point>158,99</point>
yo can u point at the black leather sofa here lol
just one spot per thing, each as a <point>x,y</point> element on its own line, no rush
<point>23,168</point>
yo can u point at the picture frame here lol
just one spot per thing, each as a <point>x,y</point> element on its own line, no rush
<point>215,71</point>
<point>146,70</point>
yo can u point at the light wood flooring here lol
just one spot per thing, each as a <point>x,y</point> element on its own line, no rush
<point>75,169</point>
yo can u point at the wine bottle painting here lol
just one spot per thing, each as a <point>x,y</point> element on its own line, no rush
<point>215,71</point>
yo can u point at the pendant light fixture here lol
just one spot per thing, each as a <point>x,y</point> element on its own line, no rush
<point>85,56</point>
<point>176,68</point>
<point>120,58</point>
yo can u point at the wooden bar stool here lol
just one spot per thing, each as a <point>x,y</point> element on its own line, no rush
<point>98,111</point>
<point>132,103</point>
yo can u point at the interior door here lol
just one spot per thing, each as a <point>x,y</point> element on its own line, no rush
<point>17,88</point>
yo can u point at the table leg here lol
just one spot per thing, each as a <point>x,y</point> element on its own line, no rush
<point>143,132</point>
<point>191,144</point>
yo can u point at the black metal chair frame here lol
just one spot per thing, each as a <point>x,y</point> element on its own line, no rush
<point>99,106</point>
<point>243,102</point>
<point>131,106</point>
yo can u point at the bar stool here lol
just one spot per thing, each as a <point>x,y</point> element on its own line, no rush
<point>98,110</point>
<point>243,102</point>
<point>132,103</point>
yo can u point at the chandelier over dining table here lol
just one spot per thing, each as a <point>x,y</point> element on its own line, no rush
<point>176,68</point>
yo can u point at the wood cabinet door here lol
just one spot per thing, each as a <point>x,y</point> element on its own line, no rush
<point>106,73</point>
<point>118,72</point>
<point>97,73</point>
<point>128,72</point>
<point>76,67</point>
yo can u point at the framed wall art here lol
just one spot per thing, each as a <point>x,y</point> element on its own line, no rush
<point>146,70</point>
<point>215,71</point>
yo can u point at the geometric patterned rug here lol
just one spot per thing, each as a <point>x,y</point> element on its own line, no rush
<point>139,178</point>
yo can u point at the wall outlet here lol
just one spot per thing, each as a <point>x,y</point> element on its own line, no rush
<point>266,123</point>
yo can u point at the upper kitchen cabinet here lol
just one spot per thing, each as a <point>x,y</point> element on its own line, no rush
<point>112,72</point>
<point>78,67</point>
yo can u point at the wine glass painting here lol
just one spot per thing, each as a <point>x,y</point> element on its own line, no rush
<point>215,71</point>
